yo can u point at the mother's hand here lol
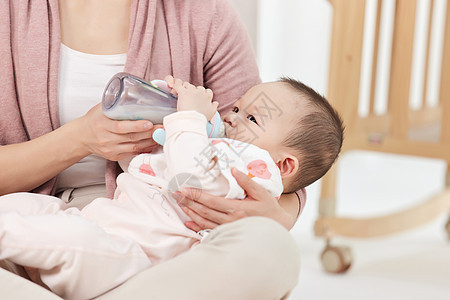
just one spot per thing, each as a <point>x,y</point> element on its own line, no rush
<point>208,211</point>
<point>112,139</point>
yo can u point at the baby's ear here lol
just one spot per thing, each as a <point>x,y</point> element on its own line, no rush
<point>288,165</point>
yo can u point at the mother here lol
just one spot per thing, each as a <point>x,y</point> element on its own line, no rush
<point>56,57</point>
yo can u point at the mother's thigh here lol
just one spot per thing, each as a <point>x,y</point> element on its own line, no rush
<point>16,287</point>
<point>253,258</point>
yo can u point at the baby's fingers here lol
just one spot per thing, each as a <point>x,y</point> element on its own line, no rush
<point>176,84</point>
<point>170,80</point>
<point>188,85</point>
<point>215,105</point>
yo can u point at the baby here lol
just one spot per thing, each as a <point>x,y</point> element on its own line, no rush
<point>282,134</point>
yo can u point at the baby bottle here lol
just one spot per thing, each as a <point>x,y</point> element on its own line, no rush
<point>127,97</point>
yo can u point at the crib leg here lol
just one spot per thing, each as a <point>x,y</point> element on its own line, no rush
<point>335,259</point>
<point>447,177</point>
<point>327,201</point>
<point>447,183</point>
<point>447,228</point>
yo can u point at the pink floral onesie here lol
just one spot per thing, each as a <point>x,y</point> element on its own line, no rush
<point>111,240</point>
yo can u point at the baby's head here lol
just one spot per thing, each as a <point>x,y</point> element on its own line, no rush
<point>296,125</point>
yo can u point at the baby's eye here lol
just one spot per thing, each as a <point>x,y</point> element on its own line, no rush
<point>252,118</point>
<point>235,109</point>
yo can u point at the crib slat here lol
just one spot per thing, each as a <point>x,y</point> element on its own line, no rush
<point>427,55</point>
<point>401,61</point>
<point>343,89</point>
<point>444,96</point>
<point>375,58</point>
<point>345,58</point>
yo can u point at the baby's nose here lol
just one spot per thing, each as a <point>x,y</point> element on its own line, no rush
<point>231,119</point>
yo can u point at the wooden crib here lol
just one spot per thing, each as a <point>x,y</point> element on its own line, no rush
<point>423,132</point>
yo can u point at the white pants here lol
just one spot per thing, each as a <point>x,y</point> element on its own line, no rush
<point>254,258</point>
<point>66,251</point>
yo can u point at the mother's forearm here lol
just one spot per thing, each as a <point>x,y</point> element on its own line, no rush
<point>291,205</point>
<point>27,165</point>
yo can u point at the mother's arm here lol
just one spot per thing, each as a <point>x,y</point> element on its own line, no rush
<point>25,166</point>
<point>208,211</point>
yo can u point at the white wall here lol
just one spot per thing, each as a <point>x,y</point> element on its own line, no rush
<point>292,38</point>
<point>248,9</point>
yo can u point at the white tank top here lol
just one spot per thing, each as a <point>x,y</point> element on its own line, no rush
<point>82,79</point>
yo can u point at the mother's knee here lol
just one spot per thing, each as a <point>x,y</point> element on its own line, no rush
<point>262,255</point>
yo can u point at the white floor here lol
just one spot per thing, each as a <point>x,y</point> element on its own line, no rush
<point>413,265</point>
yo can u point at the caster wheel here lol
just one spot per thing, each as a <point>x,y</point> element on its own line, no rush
<point>336,259</point>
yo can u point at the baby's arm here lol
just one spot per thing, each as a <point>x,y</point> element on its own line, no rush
<point>208,162</point>
<point>187,150</point>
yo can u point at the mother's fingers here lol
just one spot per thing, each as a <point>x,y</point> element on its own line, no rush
<point>192,226</point>
<point>202,223</point>
<point>134,137</point>
<point>206,212</point>
<point>214,202</point>
<point>126,127</point>
<point>137,138</point>
<point>253,189</point>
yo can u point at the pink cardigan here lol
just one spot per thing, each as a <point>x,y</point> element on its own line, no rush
<point>200,41</point>
<point>203,42</point>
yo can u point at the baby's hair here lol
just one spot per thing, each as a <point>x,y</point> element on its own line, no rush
<point>317,137</point>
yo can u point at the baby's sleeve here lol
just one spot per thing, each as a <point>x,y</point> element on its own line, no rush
<point>251,160</point>
<point>188,154</point>
<point>206,163</point>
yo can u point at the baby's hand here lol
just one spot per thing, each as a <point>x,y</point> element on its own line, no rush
<point>191,97</point>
